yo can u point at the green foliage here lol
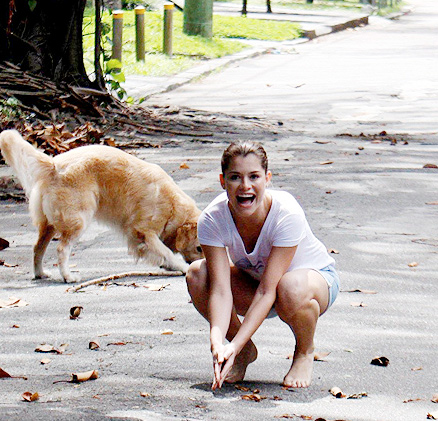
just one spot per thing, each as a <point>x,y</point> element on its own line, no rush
<point>187,50</point>
<point>10,109</point>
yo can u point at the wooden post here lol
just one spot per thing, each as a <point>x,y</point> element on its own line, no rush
<point>168,29</point>
<point>198,18</point>
<point>117,34</point>
<point>139,32</point>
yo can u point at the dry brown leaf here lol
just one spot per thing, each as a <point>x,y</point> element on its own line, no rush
<point>320,355</point>
<point>363,291</point>
<point>357,395</point>
<point>3,243</point>
<point>93,345</point>
<point>380,361</point>
<point>156,287</point>
<point>12,302</point>
<point>145,394</point>
<point>166,332</point>
<point>242,388</point>
<point>432,415</point>
<point>4,374</point>
<point>430,166</point>
<point>50,348</point>
<point>416,368</point>
<point>30,397</point>
<point>333,251</point>
<point>435,398</point>
<point>361,304</point>
<point>184,166</point>
<point>431,203</point>
<point>75,312</point>
<point>169,319</point>
<point>337,392</point>
<point>412,400</point>
<point>85,376</point>
<point>10,265</point>
<point>413,264</point>
<point>326,163</point>
<point>253,397</point>
<point>15,326</point>
<point>45,361</point>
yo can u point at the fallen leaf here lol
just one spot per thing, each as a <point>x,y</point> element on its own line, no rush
<point>15,326</point>
<point>357,395</point>
<point>333,251</point>
<point>166,332</point>
<point>10,265</point>
<point>3,243</point>
<point>45,361</point>
<point>117,343</point>
<point>430,166</point>
<point>320,355</point>
<point>432,415</point>
<point>412,400</point>
<point>12,302</point>
<point>4,374</point>
<point>156,287</point>
<point>145,394</point>
<point>253,397</point>
<point>336,392</point>
<point>242,388</point>
<point>413,264</point>
<point>361,304</point>
<point>322,142</point>
<point>85,376</point>
<point>30,397</point>
<point>169,319</point>
<point>75,312</point>
<point>435,398</point>
<point>326,163</point>
<point>363,291</point>
<point>184,166</point>
<point>51,348</point>
<point>93,345</point>
<point>380,361</point>
<point>416,368</point>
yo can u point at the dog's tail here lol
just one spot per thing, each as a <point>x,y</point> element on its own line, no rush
<point>28,164</point>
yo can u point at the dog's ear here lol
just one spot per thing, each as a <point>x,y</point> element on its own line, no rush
<point>185,235</point>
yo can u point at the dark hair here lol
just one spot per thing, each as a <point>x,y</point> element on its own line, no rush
<point>244,149</point>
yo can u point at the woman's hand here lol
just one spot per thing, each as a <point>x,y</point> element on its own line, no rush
<point>223,360</point>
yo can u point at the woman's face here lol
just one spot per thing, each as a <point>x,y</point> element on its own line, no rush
<point>245,182</point>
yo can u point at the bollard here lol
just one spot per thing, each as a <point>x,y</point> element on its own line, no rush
<point>168,29</point>
<point>139,32</point>
<point>198,18</point>
<point>117,34</point>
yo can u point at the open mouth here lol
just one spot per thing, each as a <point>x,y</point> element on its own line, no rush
<point>246,199</point>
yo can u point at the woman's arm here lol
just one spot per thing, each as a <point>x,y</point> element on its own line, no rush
<point>220,303</point>
<point>279,261</point>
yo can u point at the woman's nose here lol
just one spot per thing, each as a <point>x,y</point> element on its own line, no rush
<point>246,184</point>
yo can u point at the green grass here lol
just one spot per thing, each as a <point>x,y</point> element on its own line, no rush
<point>228,33</point>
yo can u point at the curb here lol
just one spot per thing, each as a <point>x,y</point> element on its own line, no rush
<point>203,70</point>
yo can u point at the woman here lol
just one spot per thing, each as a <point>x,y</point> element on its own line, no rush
<point>261,258</point>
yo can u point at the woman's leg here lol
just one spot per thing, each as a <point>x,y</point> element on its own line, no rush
<point>243,288</point>
<point>302,295</point>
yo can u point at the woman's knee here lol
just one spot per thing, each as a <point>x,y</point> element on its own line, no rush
<point>292,292</point>
<point>197,274</point>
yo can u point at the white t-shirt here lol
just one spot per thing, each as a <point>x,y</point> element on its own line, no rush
<point>285,226</point>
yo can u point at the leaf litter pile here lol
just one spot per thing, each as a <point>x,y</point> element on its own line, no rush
<point>60,117</point>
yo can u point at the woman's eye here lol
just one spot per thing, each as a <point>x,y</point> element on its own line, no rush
<point>234,177</point>
<point>254,176</point>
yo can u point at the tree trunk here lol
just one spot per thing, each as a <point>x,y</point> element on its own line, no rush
<point>46,40</point>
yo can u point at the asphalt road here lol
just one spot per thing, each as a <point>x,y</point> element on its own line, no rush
<point>375,204</point>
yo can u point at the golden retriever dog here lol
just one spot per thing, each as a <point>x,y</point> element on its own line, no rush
<point>105,184</point>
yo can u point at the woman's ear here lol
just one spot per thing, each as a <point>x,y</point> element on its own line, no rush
<point>268,177</point>
<point>221,179</point>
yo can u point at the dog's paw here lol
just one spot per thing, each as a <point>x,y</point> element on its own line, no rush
<point>43,275</point>
<point>71,279</point>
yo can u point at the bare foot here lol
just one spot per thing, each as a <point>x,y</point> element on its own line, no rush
<point>242,361</point>
<point>300,373</point>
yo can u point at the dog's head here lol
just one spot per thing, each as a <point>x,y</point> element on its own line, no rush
<point>187,242</point>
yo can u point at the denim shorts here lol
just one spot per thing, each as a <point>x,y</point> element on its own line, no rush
<point>332,278</point>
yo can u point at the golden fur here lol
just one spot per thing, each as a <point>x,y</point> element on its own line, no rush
<point>100,182</point>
